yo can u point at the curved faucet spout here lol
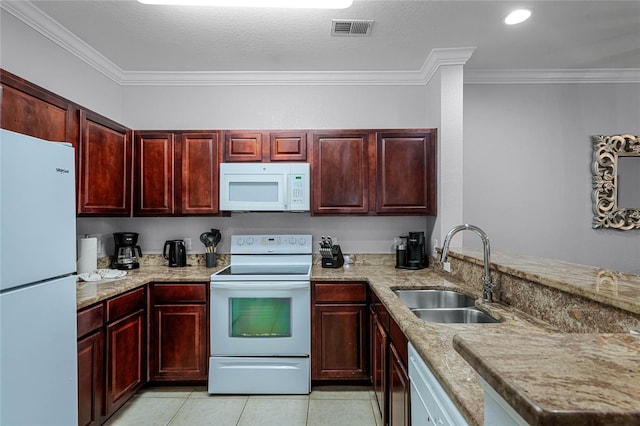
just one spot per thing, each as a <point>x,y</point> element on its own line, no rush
<point>487,285</point>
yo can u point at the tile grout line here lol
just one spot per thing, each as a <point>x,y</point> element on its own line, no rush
<point>178,410</point>
<point>246,401</point>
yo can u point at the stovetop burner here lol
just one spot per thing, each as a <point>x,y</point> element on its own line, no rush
<point>264,270</point>
<point>268,257</point>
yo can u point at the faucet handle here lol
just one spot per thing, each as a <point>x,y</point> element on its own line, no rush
<point>487,290</point>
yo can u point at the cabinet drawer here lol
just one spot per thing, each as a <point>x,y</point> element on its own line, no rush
<point>340,292</point>
<point>179,293</point>
<point>125,304</point>
<point>90,319</point>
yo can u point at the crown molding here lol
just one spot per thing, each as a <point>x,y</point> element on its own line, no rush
<point>272,78</point>
<point>33,17</point>
<point>437,58</point>
<point>553,76</point>
<point>39,21</point>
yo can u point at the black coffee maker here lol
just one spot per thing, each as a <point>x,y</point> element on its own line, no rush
<point>124,256</point>
<point>410,252</point>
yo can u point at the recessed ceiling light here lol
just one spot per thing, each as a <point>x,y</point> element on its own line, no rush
<point>517,16</point>
<point>299,4</point>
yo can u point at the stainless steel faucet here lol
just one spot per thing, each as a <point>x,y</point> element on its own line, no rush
<point>487,285</point>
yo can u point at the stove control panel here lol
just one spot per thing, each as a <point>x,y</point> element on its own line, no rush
<point>271,244</point>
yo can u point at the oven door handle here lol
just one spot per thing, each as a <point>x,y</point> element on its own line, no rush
<point>296,285</point>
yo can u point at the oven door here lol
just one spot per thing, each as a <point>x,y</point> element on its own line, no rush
<point>260,318</point>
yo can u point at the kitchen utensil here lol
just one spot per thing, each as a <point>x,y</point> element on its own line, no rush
<point>331,254</point>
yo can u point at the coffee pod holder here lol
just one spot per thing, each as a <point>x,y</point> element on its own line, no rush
<point>332,258</point>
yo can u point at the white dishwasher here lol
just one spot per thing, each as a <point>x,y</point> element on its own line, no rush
<point>430,404</point>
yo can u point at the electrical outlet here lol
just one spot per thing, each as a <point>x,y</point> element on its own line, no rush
<point>187,243</point>
<point>99,244</point>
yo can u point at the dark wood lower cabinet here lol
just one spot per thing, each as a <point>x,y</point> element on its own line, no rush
<point>379,343</point>
<point>339,342</point>
<point>91,390</point>
<point>126,359</point>
<point>389,366</point>
<point>91,379</point>
<point>178,341</point>
<point>339,331</point>
<point>112,355</point>
<point>399,390</point>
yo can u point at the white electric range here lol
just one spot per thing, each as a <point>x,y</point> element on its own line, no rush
<point>261,317</point>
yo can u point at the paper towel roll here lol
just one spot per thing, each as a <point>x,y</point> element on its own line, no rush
<point>87,255</point>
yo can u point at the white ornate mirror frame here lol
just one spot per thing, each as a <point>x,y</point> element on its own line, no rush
<point>606,212</point>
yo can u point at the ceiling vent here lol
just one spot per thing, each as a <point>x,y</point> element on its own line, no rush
<point>351,27</point>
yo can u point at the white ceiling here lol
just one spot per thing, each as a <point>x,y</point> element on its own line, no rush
<point>561,35</point>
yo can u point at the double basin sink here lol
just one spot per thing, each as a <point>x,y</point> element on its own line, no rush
<point>443,306</point>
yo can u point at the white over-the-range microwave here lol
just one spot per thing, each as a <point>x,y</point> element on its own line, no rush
<point>264,187</point>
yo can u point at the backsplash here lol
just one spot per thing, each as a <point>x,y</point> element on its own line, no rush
<point>223,259</point>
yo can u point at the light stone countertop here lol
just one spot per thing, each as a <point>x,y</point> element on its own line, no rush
<point>433,341</point>
<point>561,379</point>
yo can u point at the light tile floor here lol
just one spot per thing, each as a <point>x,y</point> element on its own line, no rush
<point>193,406</point>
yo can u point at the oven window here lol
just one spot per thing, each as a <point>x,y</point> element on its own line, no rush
<point>260,316</point>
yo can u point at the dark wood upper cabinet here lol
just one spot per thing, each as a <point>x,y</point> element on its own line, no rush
<point>155,164</point>
<point>200,172</point>
<point>176,173</point>
<point>104,166</point>
<point>243,146</point>
<point>288,146</point>
<point>34,111</point>
<point>265,145</point>
<point>406,173</point>
<point>341,172</point>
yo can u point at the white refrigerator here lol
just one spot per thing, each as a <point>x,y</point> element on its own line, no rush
<point>38,342</point>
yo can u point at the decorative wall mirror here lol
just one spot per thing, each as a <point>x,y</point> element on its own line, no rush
<point>616,182</point>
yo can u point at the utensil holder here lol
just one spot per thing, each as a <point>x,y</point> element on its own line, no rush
<point>211,259</point>
<point>335,259</point>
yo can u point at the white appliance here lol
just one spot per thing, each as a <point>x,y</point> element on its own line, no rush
<point>261,317</point>
<point>38,342</point>
<point>264,186</point>
<point>430,403</point>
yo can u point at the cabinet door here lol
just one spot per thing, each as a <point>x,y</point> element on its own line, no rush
<point>341,173</point>
<point>154,174</point>
<point>406,173</point>
<point>200,173</point>
<point>178,343</point>
<point>126,359</point>
<point>399,390</point>
<point>288,146</point>
<point>379,365</point>
<point>338,342</point>
<point>104,167</point>
<point>243,146</point>
<point>91,379</point>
